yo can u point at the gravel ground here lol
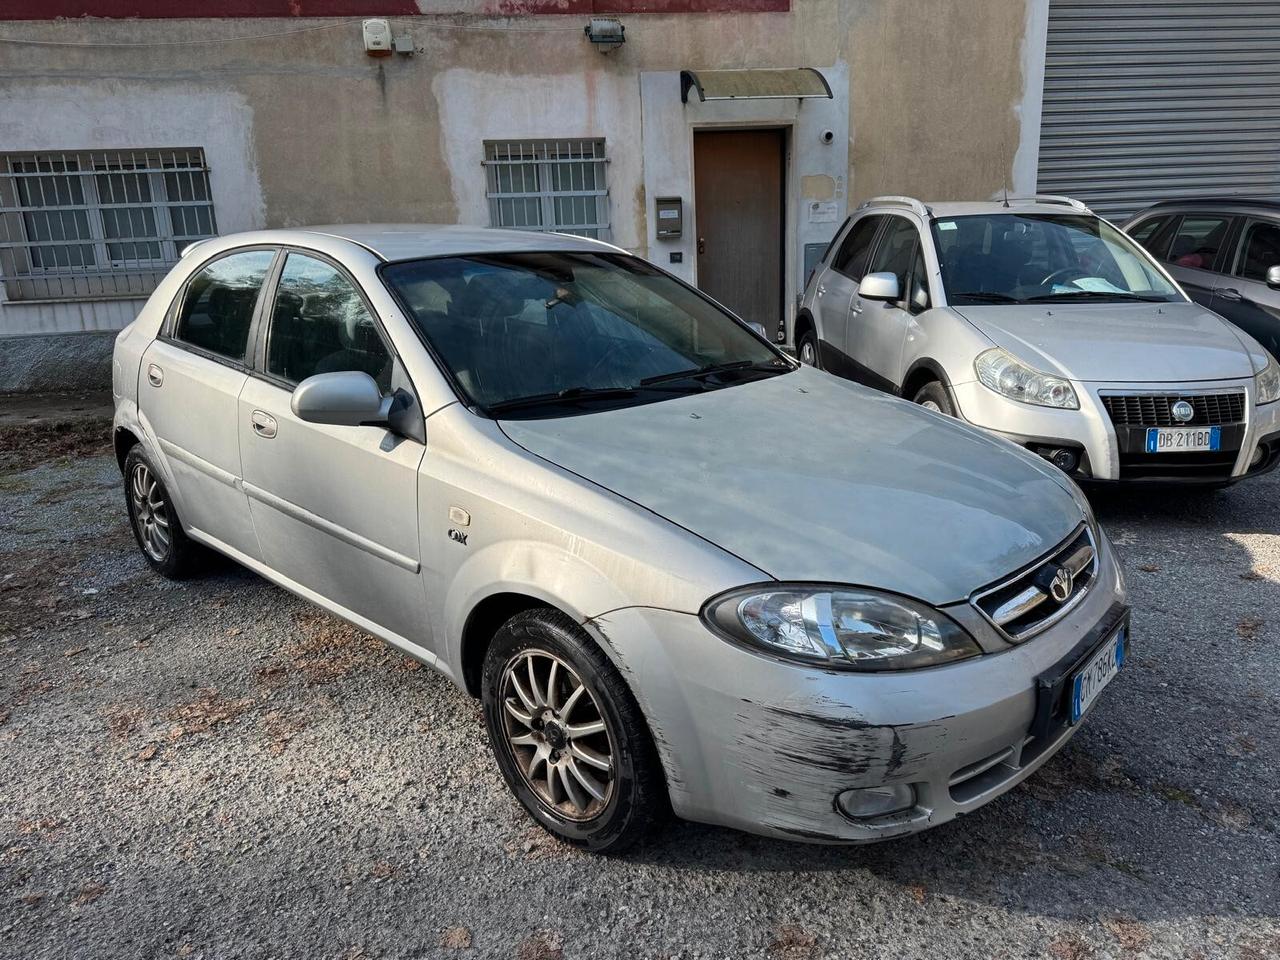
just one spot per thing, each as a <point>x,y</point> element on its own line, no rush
<point>216,769</point>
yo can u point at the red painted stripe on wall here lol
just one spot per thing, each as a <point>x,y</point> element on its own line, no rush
<point>198,9</point>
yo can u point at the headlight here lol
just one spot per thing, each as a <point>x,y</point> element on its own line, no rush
<point>1267,383</point>
<point>1013,379</point>
<point>843,627</point>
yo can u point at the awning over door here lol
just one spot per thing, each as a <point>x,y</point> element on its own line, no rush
<point>799,83</point>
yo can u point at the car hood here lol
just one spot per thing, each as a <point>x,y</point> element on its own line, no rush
<point>808,477</point>
<point>1129,342</point>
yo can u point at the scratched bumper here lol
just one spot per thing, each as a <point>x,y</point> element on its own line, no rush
<point>762,745</point>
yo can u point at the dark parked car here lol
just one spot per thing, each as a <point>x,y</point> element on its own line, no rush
<point>1225,252</point>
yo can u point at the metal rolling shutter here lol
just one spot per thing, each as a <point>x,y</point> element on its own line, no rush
<point>1150,101</point>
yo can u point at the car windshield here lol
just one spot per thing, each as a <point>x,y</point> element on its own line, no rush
<point>1037,258</point>
<point>551,334</point>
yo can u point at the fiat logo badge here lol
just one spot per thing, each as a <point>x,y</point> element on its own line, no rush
<point>1183,411</point>
<point>1061,584</point>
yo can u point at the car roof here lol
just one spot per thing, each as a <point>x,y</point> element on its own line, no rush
<point>412,241</point>
<point>973,208</point>
<point>1216,203</point>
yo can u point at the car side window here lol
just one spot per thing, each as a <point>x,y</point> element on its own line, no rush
<point>1261,251</point>
<point>851,258</point>
<point>1197,241</point>
<point>894,252</point>
<point>217,308</point>
<point>320,324</point>
<point>1146,231</point>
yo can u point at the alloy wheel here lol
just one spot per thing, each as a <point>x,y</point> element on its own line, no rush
<point>807,354</point>
<point>558,735</point>
<point>151,515</point>
<point>931,405</point>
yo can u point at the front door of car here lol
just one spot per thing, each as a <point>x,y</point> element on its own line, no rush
<point>335,507</point>
<point>188,391</point>
<point>1243,296</point>
<point>1195,253</point>
<point>878,329</point>
<point>837,287</point>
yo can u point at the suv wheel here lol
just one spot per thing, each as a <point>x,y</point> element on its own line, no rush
<point>568,736</point>
<point>807,349</point>
<point>155,521</point>
<point>933,396</point>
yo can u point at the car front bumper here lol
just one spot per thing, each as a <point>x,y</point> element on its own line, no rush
<point>766,745</point>
<point>1109,453</point>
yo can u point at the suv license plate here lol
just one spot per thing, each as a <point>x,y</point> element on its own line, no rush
<point>1183,439</point>
<point>1090,679</point>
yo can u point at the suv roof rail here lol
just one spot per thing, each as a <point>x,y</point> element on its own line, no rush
<point>1053,198</point>
<point>911,203</point>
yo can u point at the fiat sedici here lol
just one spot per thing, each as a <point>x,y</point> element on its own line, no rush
<point>1044,323</point>
<point>680,570</point>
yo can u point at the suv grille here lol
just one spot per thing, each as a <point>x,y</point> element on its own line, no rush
<point>1156,410</point>
<point>1041,595</point>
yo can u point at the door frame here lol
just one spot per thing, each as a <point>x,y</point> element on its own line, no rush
<point>790,189</point>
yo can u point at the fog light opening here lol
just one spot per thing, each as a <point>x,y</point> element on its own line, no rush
<point>1259,454</point>
<point>1064,459</point>
<point>865,803</point>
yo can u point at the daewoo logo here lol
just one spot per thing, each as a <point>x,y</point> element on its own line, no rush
<point>1061,584</point>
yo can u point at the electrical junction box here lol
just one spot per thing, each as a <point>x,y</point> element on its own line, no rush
<point>377,38</point>
<point>670,216</point>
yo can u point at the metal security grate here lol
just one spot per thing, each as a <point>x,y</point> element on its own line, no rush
<point>548,185</point>
<point>98,224</point>
<point>1156,410</point>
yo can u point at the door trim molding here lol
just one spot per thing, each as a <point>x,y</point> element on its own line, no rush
<point>198,463</point>
<point>349,537</point>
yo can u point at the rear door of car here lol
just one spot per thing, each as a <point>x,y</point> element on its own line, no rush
<point>189,387</point>
<point>335,507</point>
<point>837,285</point>
<point>1197,252</point>
<point>1242,295</point>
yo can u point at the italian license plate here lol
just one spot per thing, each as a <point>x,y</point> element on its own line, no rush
<point>1183,439</point>
<point>1089,680</point>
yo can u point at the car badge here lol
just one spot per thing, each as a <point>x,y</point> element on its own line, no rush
<point>1183,411</point>
<point>1061,585</point>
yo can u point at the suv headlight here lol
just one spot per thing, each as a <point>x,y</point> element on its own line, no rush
<point>846,628</point>
<point>1012,378</point>
<point>1267,383</point>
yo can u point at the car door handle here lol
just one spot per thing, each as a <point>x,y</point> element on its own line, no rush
<point>821,289</point>
<point>155,376</point>
<point>855,309</point>
<point>264,425</point>
<point>1230,293</point>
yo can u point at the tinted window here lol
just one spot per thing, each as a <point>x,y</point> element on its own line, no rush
<point>218,306</point>
<point>1146,231</point>
<point>319,324</point>
<point>1197,241</point>
<point>1261,251</point>
<point>895,249</point>
<point>851,258</point>
<point>510,327</point>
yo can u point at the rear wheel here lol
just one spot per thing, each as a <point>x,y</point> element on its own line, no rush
<point>933,396</point>
<point>807,349</point>
<point>567,734</point>
<point>155,521</point>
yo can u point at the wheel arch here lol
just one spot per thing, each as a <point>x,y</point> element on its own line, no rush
<point>123,440</point>
<point>926,370</point>
<point>483,623</point>
<point>804,323</point>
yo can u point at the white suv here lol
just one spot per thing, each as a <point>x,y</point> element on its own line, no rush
<point>1044,323</point>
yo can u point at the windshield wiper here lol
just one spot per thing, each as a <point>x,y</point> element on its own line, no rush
<point>570,395</point>
<point>992,297</point>
<point>1095,295</point>
<point>710,369</point>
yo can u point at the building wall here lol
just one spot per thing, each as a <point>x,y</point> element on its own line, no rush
<point>300,126</point>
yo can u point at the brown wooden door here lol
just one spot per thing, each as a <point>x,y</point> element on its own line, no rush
<point>737,182</point>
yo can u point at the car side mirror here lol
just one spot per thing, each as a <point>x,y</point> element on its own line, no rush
<point>758,328</point>
<point>348,398</point>
<point>880,286</point>
<point>1273,277</point>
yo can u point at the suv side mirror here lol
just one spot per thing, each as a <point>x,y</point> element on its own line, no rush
<point>349,398</point>
<point>880,286</point>
<point>1273,277</point>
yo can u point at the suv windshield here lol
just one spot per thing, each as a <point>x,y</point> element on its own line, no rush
<point>546,334</point>
<point>1039,258</point>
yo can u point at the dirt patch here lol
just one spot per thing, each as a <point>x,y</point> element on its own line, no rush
<point>327,649</point>
<point>23,446</point>
<point>208,710</point>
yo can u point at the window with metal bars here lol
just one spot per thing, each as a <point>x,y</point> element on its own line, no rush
<point>548,185</point>
<point>98,224</point>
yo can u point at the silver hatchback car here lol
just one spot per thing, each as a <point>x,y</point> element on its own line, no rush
<point>680,570</point>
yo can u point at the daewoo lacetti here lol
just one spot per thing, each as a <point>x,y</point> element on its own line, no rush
<point>680,570</point>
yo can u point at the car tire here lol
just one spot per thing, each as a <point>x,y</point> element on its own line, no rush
<point>531,728</point>
<point>934,396</point>
<point>807,349</point>
<point>155,522</point>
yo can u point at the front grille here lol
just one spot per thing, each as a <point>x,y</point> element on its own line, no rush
<point>1025,604</point>
<point>1156,409</point>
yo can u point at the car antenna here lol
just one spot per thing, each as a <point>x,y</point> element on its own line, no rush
<point>1006,197</point>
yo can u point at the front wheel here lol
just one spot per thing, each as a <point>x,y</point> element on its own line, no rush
<point>568,736</point>
<point>933,396</point>
<point>807,349</point>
